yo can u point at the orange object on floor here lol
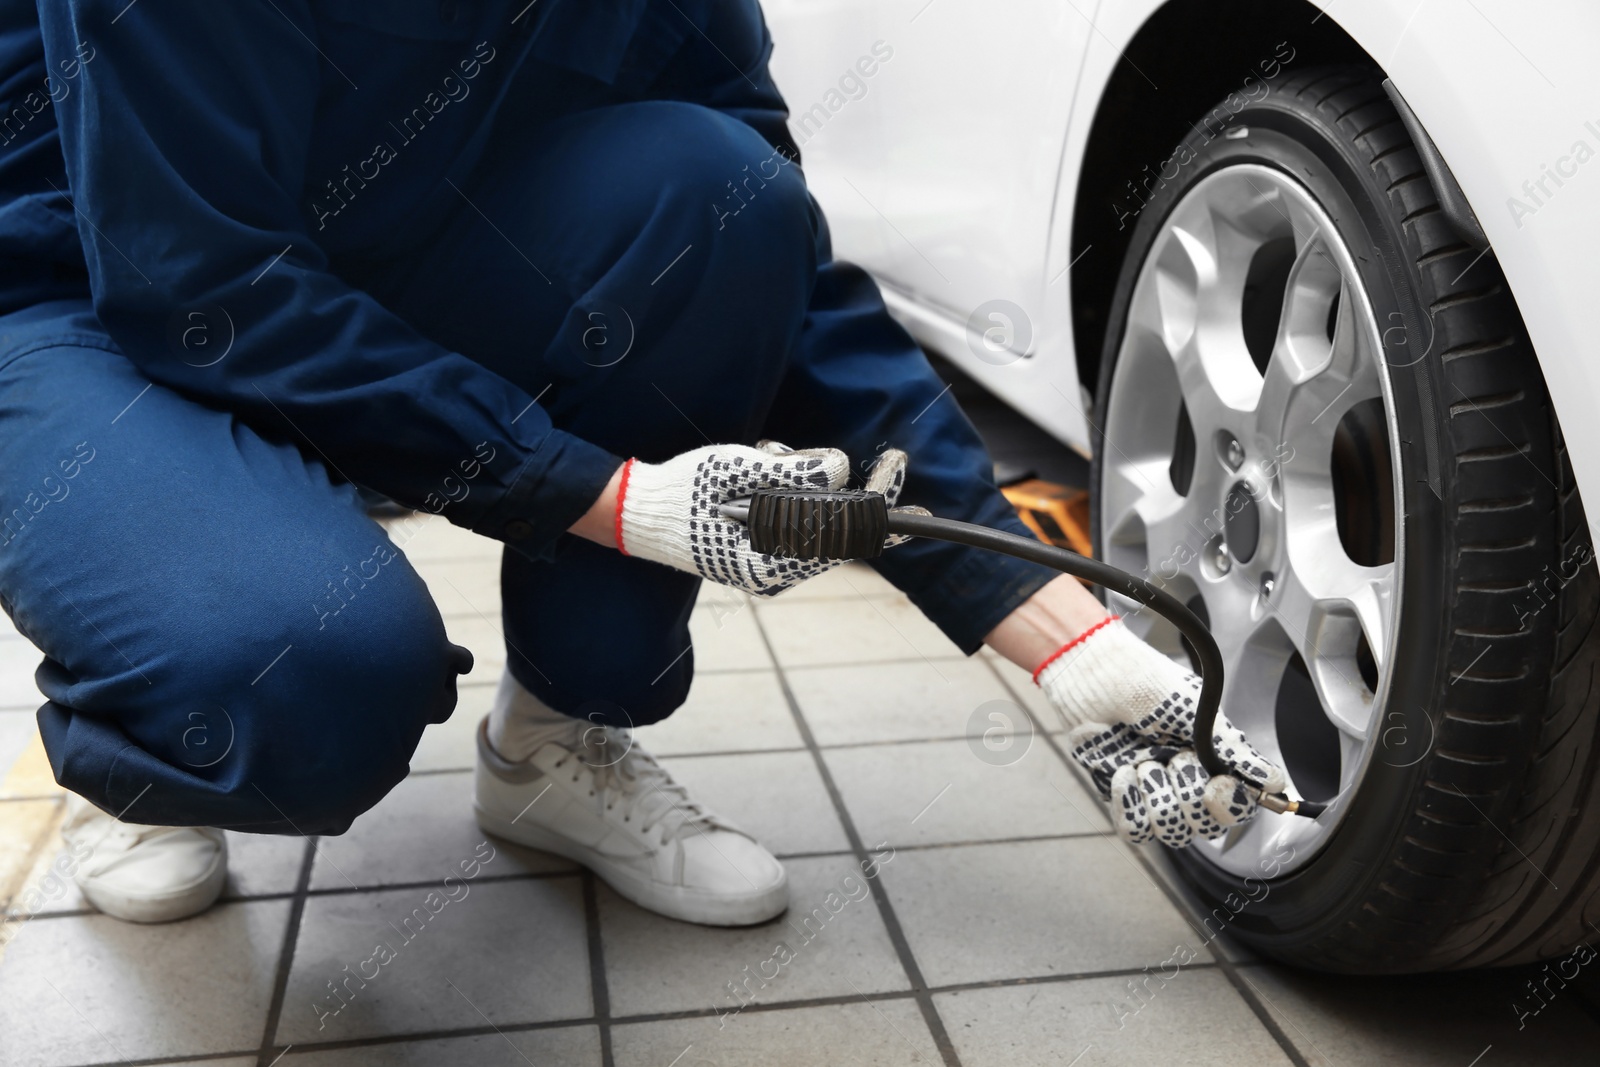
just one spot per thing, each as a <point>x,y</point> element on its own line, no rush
<point>1057,514</point>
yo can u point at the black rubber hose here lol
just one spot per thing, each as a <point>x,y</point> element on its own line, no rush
<point>843,524</point>
<point>1103,574</point>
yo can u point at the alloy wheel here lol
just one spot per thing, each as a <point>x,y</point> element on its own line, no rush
<point>1248,469</point>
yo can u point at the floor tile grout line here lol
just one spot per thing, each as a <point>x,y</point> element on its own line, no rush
<point>533,876</point>
<point>472,680</point>
<point>291,934</point>
<point>600,991</point>
<point>453,613</point>
<point>1071,764</point>
<point>644,1018</point>
<point>891,922</point>
<point>334,891</point>
<point>896,994</point>
<point>162,1061</point>
<point>1225,965</point>
<point>784,751</point>
<point>1248,994</point>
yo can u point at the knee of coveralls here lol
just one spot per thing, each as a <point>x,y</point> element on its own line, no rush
<point>710,249</point>
<point>675,252</point>
<point>600,636</point>
<point>202,666</point>
<point>717,275</point>
<point>300,745</point>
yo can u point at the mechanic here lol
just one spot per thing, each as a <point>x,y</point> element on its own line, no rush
<point>473,255</point>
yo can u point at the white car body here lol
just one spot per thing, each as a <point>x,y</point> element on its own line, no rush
<point>950,170</point>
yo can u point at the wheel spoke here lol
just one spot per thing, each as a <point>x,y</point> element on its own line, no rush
<point>1328,611</point>
<point>1314,377</point>
<point>1252,661</point>
<point>1351,749</point>
<point>1191,306</point>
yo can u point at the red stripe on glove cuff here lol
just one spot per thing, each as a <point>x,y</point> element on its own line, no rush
<point>1070,645</point>
<point>622,492</point>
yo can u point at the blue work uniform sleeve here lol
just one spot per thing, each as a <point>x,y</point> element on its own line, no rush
<point>185,151</point>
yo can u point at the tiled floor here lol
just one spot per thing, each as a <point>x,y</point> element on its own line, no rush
<point>1003,925</point>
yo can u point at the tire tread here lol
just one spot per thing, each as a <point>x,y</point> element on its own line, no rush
<point>1488,812</point>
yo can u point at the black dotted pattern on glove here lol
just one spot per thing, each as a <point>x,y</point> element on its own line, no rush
<point>1148,773</point>
<point>720,547</point>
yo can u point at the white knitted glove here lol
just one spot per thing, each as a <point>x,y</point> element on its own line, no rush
<point>1131,711</point>
<point>667,512</point>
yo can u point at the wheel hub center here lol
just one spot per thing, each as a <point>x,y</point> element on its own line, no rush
<point>1242,522</point>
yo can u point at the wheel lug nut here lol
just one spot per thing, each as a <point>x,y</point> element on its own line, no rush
<point>1220,558</point>
<point>1235,454</point>
<point>1268,583</point>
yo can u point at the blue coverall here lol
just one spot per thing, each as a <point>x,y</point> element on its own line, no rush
<point>465,253</point>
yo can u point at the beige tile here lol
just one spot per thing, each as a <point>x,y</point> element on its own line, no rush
<point>832,936</point>
<point>984,913</point>
<point>728,712</point>
<point>1220,937</point>
<point>48,888</point>
<point>262,863</point>
<point>424,538</point>
<point>420,832</point>
<point>88,989</point>
<point>567,1046</point>
<point>832,632</point>
<point>1170,1015</point>
<point>516,952</point>
<point>853,581</point>
<point>18,729</point>
<point>941,791</point>
<point>29,774</point>
<point>463,587</point>
<point>26,829</point>
<point>18,660</point>
<point>908,701</point>
<point>1030,695</point>
<point>777,797</point>
<point>724,599</point>
<point>1436,1020</point>
<point>726,640</point>
<point>887,1033</point>
<point>452,745</point>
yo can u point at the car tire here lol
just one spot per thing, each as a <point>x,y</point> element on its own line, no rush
<point>1471,834</point>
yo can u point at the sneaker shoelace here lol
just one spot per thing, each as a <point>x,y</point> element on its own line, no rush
<point>627,776</point>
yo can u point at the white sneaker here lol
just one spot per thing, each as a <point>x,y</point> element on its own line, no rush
<point>144,874</point>
<point>614,809</point>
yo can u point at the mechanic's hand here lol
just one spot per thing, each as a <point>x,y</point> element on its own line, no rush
<point>1131,711</point>
<point>667,512</point>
